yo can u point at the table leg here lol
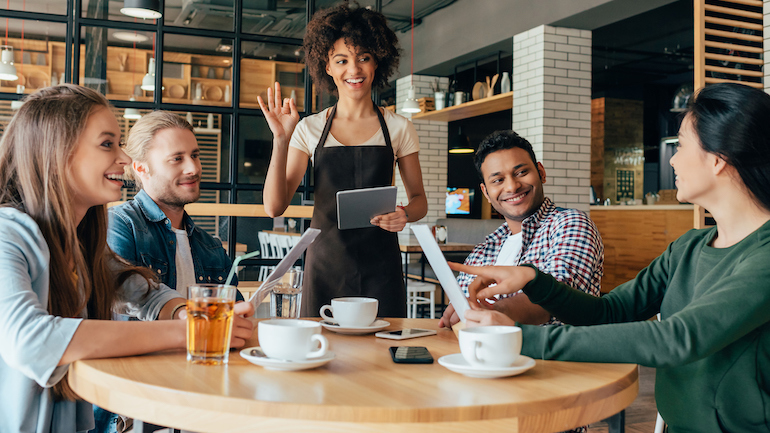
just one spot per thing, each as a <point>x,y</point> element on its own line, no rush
<point>617,423</point>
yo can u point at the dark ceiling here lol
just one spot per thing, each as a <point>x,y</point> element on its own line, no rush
<point>653,47</point>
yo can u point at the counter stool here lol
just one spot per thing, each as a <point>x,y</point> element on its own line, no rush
<point>413,300</point>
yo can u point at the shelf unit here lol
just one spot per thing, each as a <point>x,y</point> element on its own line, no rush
<point>493,104</point>
<point>127,66</point>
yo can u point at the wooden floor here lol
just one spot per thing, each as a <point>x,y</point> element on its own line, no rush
<point>641,415</point>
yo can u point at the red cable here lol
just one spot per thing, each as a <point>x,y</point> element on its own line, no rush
<point>23,8</point>
<point>8,7</point>
<point>411,60</point>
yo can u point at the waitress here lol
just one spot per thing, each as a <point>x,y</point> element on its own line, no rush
<point>352,145</point>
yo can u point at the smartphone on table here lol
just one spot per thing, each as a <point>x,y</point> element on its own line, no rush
<point>403,334</point>
<point>411,355</point>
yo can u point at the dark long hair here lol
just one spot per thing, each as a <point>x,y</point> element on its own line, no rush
<point>362,28</point>
<point>733,121</point>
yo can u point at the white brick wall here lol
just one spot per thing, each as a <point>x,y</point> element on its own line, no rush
<point>552,107</point>
<point>766,33</point>
<point>433,149</point>
<point>422,89</point>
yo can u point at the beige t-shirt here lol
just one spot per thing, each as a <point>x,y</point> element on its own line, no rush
<point>403,135</point>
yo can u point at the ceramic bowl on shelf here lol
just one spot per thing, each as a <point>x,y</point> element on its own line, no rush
<point>176,91</point>
<point>214,93</point>
<point>37,80</point>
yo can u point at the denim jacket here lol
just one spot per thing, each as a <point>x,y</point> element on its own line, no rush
<point>140,233</point>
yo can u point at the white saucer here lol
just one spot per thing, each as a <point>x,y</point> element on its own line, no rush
<point>458,364</point>
<point>259,358</point>
<point>377,325</point>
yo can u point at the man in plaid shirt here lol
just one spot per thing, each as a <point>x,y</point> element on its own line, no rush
<point>562,242</point>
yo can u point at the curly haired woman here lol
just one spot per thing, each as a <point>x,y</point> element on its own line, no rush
<point>355,144</point>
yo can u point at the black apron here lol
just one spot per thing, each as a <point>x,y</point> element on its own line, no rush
<point>355,262</point>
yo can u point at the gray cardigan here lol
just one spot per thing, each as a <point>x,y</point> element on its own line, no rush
<point>32,341</point>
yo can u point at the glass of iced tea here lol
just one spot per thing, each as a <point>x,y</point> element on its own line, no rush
<point>209,323</point>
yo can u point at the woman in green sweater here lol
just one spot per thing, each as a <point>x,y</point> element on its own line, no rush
<point>711,287</point>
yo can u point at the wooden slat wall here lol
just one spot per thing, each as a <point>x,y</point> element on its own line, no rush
<point>728,49</point>
<point>633,238</point>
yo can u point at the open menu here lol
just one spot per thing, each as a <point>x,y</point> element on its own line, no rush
<point>445,276</point>
<point>285,264</point>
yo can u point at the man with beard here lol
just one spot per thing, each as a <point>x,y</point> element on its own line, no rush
<point>562,242</point>
<point>153,230</point>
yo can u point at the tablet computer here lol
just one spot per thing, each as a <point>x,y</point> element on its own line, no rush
<point>444,274</point>
<point>356,207</point>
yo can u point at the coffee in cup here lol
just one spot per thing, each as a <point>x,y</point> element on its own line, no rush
<point>352,312</point>
<point>491,346</point>
<point>291,339</point>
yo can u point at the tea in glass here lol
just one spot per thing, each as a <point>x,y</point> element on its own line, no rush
<point>209,323</point>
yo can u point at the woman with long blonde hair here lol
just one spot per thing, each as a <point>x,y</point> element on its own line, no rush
<point>60,164</point>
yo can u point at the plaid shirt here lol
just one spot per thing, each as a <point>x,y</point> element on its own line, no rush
<point>562,242</point>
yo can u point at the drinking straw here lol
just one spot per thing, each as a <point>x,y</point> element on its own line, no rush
<point>235,264</point>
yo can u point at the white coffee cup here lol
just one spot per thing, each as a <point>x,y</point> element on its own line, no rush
<point>491,346</point>
<point>291,339</point>
<point>351,312</point>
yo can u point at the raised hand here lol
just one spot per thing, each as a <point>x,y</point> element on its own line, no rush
<point>281,116</point>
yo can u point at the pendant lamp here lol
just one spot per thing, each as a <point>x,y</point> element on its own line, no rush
<point>461,143</point>
<point>411,104</point>
<point>132,113</point>
<point>148,82</point>
<point>7,70</point>
<point>146,9</point>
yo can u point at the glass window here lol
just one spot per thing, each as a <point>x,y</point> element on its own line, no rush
<point>263,64</point>
<point>284,18</point>
<point>197,70</point>
<point>38,54</point>
<point>117,62</point>
<point>106,10</point>
<point>57,7</point>
<point>212,131</point>
<point>200,14</point>
<point>255,146</point>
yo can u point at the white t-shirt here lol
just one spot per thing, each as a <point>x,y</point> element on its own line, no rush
<point>403,135</point>
<point>185,271</point>
<point>510,250</point>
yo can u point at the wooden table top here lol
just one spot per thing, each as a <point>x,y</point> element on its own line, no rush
<point>360,390</point>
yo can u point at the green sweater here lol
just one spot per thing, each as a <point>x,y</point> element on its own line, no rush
<point>712,347</point>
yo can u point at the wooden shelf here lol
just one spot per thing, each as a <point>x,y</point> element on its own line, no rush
<point>493,104</point>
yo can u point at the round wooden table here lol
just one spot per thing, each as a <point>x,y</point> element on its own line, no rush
<point>361,390</point>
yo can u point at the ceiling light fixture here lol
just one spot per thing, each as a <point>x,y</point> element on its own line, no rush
<point>145,9</point>
<point>411,104</point>
<point>461,143</point>
<point>225,46</point>
<point>148,82</point>
<point>130,36</point>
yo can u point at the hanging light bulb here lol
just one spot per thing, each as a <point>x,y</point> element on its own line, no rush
<point>146,9</point>
<point>7,70</point>
<point>411,104</point>
<point>132,113</point>
<point>148,82</point>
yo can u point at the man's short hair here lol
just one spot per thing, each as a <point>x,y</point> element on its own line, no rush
<point>500,140</point>
<point>143,132</point>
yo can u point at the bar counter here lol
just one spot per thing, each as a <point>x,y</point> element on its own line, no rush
<point>634,235</point>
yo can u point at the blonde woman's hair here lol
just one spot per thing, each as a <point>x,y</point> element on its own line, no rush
<point>35,154</point>
<point>141,136</point>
